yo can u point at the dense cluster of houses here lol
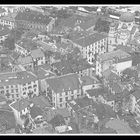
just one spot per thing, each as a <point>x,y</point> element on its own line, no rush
<point>65,76</point>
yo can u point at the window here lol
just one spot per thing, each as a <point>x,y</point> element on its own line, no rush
<point>12,90</point>
<point>60,99</point>
<point>66,98</point>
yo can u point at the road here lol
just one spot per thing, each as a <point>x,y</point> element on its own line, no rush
<point>120,126</point>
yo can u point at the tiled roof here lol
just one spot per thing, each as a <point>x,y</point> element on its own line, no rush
<point>40,101</point>
<point>20,105</point>
<point>80,103</point>
<point>4,30</point>
<point>28,44</point>
<point>25,60</point>
<point>34,17</point>
<point>126,49</point>
<point>35,111</point>
<point>115,87</point>
<point>87,80</point>
<point>89,23</point>
<point>110,55</point>
<point>95,92</point>
<point>64,83</point>
<point>43,73</point>
<point>2,10</point>
<point>8,118</point>
<point>64,112</point>
<point>90,39</point>
<point>37,53</point>
<point>26,77</point>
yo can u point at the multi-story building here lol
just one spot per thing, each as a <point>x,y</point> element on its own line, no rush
<point>4,31</point>
<point>117,60</point>
<point>92,45</point>
<point>34,20</point>
<point>38,57</point>
<point>62,89</point>
<point>3,12</point>
<point>16,85</point>
<point>26,62</point>
<point>10,86</point>
<point>8,20</point>
<point>123,31</point>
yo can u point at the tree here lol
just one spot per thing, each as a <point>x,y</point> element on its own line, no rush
<point>9,43</point>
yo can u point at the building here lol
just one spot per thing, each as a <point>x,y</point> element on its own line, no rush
<point>16,85</point>
<point>20,108</point>
<point>62,89</point>
<point>4,31</point>
<point>24,46</point>
<point>8,20</point>
<point>117,60</point>
<point>3,12</point>
<point>34,20</point>
<point>26,62</point>
<point>10,86</point>
<point>38,57</point>
<point>123,31</point>
<point>92,45</point>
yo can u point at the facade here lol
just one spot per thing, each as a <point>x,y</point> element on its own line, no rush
<point>92,45</point>
<point>38,57</point>
<point>4,31</point>
<point>8,21</point>
<point>19,85</point>
<point>34,20</point>
<point>62,89</point>
<point>123,31</point>
<point>21,50</point>
<point>26,62</point>
<point>117,60</point>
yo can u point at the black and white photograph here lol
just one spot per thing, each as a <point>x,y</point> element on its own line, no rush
<point>69,69</point>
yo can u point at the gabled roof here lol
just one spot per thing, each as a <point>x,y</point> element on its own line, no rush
<point>20,104</point>
<point>37,53</point>
<point>32,16</point>
<point>80,103</point>
<point>90,39</point>
<point>110,55</point>
<point>25,60</point>
<point>2,10</point>
<point>64,83</point>
<point>95,92</point>
<point>87,80</point>
<point>4,30</point>
<point>35,111</point>
<point>40,101</point>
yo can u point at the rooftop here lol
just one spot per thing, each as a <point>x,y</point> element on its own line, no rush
<point>20,105</point>
<point>35,111</point>
<point>32,16</point>
<point>64,83</point>
<point>25,60</point>
<point>114,54</point>
<point>90,39</point>
<point>40,101</point>
<point>127,17</point>
<point>37,53</point>
<point>80,103</point>
<point>4,30</point>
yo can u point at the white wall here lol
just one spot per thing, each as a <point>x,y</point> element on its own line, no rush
<point>123,65</point>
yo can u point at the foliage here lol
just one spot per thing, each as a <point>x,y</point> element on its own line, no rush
<point>102,26</point>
